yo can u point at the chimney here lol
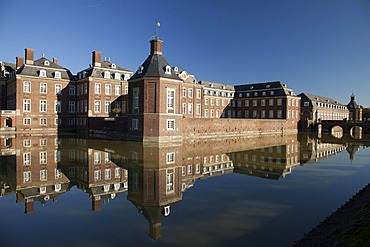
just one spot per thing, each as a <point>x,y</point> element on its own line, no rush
<point>96,58</point>
<point>156,47</point>
<point>19,61</point>
<point>29,206</point>
<point>55,60</point>
<point>29,55</point>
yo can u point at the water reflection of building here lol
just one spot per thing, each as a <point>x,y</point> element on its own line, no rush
<point>273,162</point>
<point>154,178</point>
<point>312,149</point>
<point>92,171</point>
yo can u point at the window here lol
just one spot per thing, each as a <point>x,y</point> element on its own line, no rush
<point>117,172</point>
<point>254,114</point>
<point>279,114</point>
<point>27,159</point>
<point>107,106</point>
<point>198,93</point>
<point>272,93</point>
<point>72,90</point>
<point>135,99</point>
<point>97,106</point>
<point>169,180</point>
<point>43,175</point>
<point>135,124</point>
<point>254,102</point>
<point>190,108</point>
<point>117,90</point>
<point>43,157</point>
<point>97,157</point>
<point>271,114</point>
<point>117,76</point>
<point>170,100</point>
<point>306,103</point>
<point>71,106</point>
<point>170,124</point>
<point>217,102</point>
<point>42,105</point>
<point>271,102</point>
<point>168,70</point>
<point>198,109</point>
<point>58,89</point>
<point>97,175</point>
<point>97,88</point>
<point>190,93</point>
<point>57,75</point>
<point>27,87</point>
<point>263,114</point>
<point>206,113</point>
<point>246,103</point>
<point>43,87</point>
<point>27,143</point>
<point>26,121</point>
<point>58,173</point>
<point>108,89</point>
<point>170,157</point>
<point>27,105</point>
<point>279,102</point>
<point>42,73</point>
<point>107,174</point>
<point>43,142</point>
<point>183,92</point>
<point>263,102</point>
<point>140,70</point>
<point>255,94</point>
<point>26,177</point>
<point>57,187</point>
<point>106,75</point>
<point>183,108</point>
<point>205,101</point>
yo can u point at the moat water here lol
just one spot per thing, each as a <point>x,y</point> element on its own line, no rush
<point>263,191</point>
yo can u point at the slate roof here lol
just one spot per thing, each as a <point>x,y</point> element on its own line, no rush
<point>277,87</point>
<point>217,85</point>
<point>353,104</point>
<point>98,71</point>
<point>316,99</point>
<point>33,70</point>
<point>155,66</point>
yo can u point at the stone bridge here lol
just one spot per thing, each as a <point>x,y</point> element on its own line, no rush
<point>347,127</point>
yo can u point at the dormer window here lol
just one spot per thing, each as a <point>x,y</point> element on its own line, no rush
<point>263,93</point>
<point>117,76</point>
<point>42,73</point>
<point>57,75</point>
<point>106,75</point>
<point>251,87</point>
<point>113,66</point>
<point>240,95</point>
<point>212,85</point>
<point>255,94</point>
<point>140,70</point>
<point>267,86</point>
<point>126,77</point>
<point>46,62</point>
<point>176,69</point>
<point>272,93</point>
<point>168,70</point>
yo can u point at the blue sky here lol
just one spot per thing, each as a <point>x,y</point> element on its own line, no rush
<point>314,46</point>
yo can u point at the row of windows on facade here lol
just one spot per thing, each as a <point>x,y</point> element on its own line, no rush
<point>56,74</point>
<point>270,160</point>
<point>241,95</point>
<point>329,152</point>
<point>332,115</point>
<point>42,121</point>
<point>75,106</point>
<point>81,89</point>
<point>327,105</point>
<point>107,75</point>
<point>42,157</point>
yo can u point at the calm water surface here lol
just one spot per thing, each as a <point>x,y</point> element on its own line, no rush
<point>266,191</point>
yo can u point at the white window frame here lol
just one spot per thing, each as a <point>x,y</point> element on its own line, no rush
<point>171,124</point>
<point>26,86</point>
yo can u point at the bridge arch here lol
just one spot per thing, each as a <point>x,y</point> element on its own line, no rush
<point>355,131</point>
<point>336,131</point>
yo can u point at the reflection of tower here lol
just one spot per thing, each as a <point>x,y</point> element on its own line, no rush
<point>352,149</point>
<point>154,184</point>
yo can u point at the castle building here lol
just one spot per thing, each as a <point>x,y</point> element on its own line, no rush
<point>99,91</point>
<point>355,110</point>
<point>156,103</point>
<point>34,94</point>
<point>315,108</point>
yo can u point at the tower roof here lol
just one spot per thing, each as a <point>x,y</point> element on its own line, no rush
<point>155,65</point>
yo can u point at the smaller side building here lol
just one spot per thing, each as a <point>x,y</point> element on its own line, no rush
<point>315,108</point>
<point>355,110</point>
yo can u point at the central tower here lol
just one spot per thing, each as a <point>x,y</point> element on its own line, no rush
<point>154,109</point>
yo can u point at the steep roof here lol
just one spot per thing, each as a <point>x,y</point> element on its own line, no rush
<point>41,64</point>
<point>316,98</point>
<point>217,85</point>
<point>278,88</point>
<point>155,66</point>
<point>98,71</point>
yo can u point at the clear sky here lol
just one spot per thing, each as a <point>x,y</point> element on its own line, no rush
<point>314,46</point>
